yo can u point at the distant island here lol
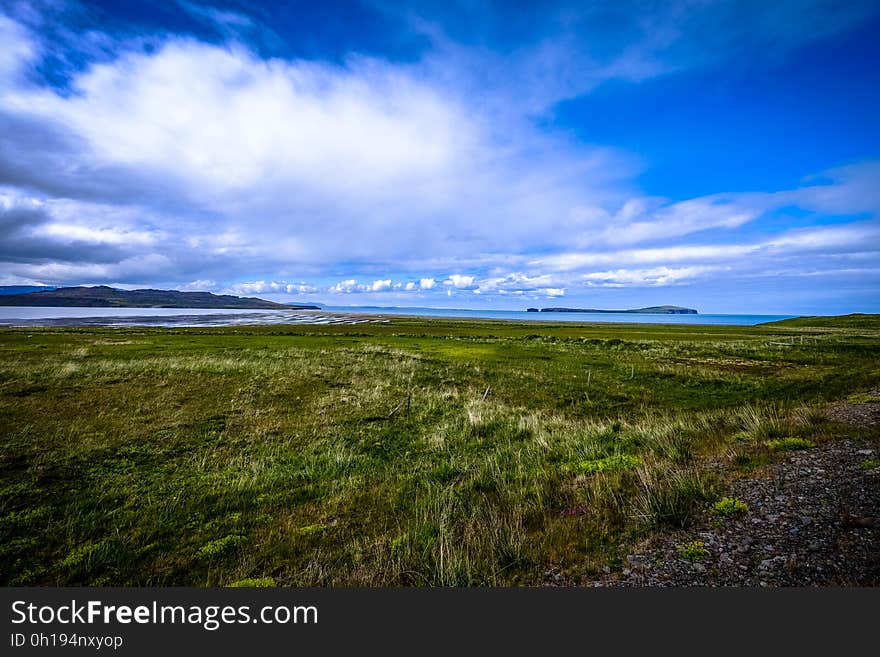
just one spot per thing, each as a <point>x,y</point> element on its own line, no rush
<point>651,310</point>
<point>101,296</point>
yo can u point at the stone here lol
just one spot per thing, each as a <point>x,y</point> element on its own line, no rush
<point>773,562</point>
<point>638,560</point>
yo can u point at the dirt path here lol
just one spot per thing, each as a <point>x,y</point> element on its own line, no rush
<point>813,520</point>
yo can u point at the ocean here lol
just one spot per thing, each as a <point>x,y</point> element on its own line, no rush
<point>72,316</point>
<point>522,315</point>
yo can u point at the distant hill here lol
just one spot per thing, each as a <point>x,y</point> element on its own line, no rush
<point>23,289</point>
<point>651,310</point>
<point>102,296</point>
<point>853,321</point>
<point>311,306</point>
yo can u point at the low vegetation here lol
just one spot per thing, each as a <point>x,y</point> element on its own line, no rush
<point>789,444</point>
<point>418,452</point>
<point>864,398</point>
<point>731,507</point>
<point>693,550</point>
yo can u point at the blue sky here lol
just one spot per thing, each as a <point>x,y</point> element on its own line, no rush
<point>719,155</point>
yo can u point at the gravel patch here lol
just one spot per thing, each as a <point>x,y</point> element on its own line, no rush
<point>813,520</point>
<point>857,415</point>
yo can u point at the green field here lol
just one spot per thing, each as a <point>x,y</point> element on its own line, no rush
<point>418,452</point>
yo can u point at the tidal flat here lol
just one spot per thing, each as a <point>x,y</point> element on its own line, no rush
<point>412,452</point>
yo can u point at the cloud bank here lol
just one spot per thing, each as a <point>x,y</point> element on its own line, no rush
<point>170,160</point>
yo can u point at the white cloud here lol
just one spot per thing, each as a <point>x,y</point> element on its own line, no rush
<point>844,190</point>
<point>301,288</point>
<point>639,222</point>
<point>517,281</point>
<point>201,285</point>
<point>18,48</point>
<point>655,276</point>
<point>282,156</point>
<point>271,287</point>
<point>256,287</point>
<point>410,286</point>
<point>345,287</point>
<point>74,233</point>
<point>427,283</point>
<point>134,268</point>
<point>853,237</point>
<point>459,281</point>
<point>225,121</point>
<point>380,286</point>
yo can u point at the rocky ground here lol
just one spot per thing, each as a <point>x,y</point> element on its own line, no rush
<point>813,520</point>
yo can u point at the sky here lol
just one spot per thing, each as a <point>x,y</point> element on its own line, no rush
<point>722,155</point>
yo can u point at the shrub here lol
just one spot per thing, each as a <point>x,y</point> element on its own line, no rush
<point>730,507</point>
<point>870,464</point>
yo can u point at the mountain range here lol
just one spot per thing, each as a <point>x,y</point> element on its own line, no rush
<point>101,296</point>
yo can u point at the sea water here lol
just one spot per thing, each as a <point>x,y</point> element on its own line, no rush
<point>74,316</point>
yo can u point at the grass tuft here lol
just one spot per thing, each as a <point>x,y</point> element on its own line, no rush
<point>253,582</point>
<point>693,550</point>
<point>789,444</point>
<point>667,495</point>
<point>221,547</point>
<point>730,507</point>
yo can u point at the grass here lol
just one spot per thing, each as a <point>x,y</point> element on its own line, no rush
<point>863,398</point>
<point>607,464</point>
<point>216,456</point>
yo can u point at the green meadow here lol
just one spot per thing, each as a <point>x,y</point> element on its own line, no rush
<point>418,452</point>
